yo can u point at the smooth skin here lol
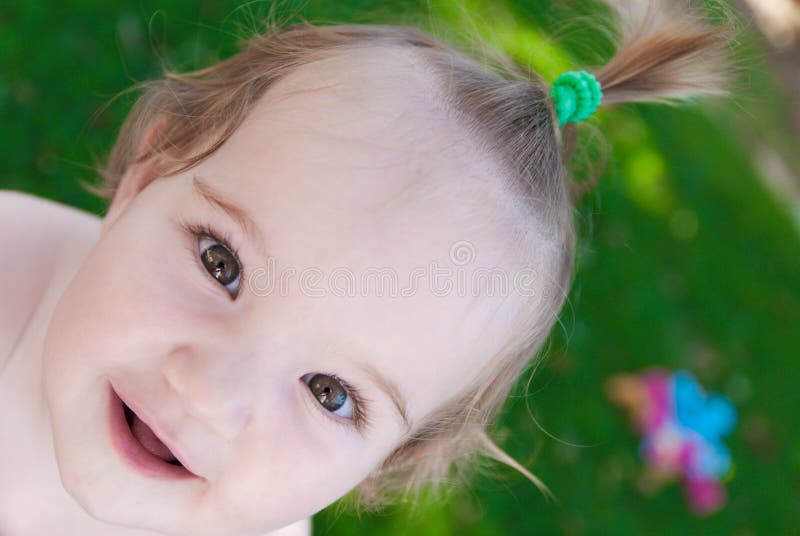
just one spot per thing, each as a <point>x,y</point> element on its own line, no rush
<point>361,171</point>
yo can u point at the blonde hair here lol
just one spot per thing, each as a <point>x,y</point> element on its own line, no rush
<point>665,53</point>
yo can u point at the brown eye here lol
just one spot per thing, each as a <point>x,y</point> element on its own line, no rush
<point>330,394</point>
<point>220,262</point>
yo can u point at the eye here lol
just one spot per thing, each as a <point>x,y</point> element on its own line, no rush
<point>213,254</point>
<point>331,394</point>
<point>221,263</point>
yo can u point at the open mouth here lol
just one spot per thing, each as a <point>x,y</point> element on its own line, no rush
<point>147,438</point>
<point>137,444</point>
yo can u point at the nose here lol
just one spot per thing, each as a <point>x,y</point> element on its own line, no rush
<point>216,389</point>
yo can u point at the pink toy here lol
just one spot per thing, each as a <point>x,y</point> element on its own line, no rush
<point>682,429</point>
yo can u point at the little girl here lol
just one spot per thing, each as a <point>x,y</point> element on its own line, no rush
<point>294,292</point>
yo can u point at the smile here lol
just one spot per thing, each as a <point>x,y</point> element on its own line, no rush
<point>138,444</point>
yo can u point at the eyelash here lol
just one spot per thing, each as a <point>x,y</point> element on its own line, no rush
<point>360,406</point>
<point>197,230</point>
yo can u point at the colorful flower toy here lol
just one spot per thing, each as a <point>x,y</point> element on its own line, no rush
<point>682,429</point>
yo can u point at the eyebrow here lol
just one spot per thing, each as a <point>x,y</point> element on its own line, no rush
<point>219,200</point>
<point>390,389</point>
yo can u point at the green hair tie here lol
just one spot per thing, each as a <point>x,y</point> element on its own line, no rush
<point>577,95</point>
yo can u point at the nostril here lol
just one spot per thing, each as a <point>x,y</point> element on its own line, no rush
<point>168,385</point>
<point>175,370</point>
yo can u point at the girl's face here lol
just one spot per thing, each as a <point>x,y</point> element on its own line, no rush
<point>279,391</point>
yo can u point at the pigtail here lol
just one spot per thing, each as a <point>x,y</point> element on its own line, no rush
<point>667,51</point>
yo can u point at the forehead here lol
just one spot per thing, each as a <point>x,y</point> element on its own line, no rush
<point>350,165</point>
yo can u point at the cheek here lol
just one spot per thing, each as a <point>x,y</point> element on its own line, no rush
<point>133,291</point>
<point>292,466</point>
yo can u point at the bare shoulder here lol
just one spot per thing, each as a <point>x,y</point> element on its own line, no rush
<point>35,234</point>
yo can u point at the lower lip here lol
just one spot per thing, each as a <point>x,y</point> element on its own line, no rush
<point>133,452</point>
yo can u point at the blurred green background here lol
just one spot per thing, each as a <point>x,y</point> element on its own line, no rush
<point>689,250</point>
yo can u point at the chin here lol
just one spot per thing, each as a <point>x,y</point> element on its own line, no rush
<point>98,477</point>
<point>110,487</point>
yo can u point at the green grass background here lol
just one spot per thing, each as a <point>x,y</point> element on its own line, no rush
<point>686,258</point>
